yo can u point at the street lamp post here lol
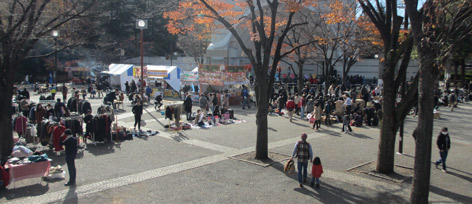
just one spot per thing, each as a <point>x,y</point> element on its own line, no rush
<point>172,56</point>
<point>55,34</point>
<point>141,25</point>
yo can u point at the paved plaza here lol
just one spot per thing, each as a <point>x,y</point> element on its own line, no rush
<point>195,166</point>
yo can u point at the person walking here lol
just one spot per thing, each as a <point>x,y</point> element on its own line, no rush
<point>225,103</point>
<point>127,87</point>
<point>188,106</point>
<point>346,123</point>
<point>327,112</point>
<point>84,93</point>
<point>204,104</point>
<point>64,92</point>
<point>290,108</point>
<point>317,116</point>
<point>245,97</point>
<point>316,171</point>
<point>444,144</point>
<point>148,92</point>
<point>53,91</point>
<point>347,104</point>
<point>452,100</point>
<point>70,142</point>
<point>301,106</point>
<point>137,111</point>
<point>303,152</point>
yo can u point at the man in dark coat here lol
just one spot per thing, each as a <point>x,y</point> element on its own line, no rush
<point>444,144</point>
<point>138,112</point>
<point>188,106</point>
<point>70,142</point>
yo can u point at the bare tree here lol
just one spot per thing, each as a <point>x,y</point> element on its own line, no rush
<point>388,23</point>
<point>438,28</point>
<point>22,25</point>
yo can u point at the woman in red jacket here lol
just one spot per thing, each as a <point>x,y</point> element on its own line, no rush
<point>316,171</point>
<point>290,107</point>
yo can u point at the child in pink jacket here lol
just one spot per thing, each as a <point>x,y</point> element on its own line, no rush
<point>316,171</point>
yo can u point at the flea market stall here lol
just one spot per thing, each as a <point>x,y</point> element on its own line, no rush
<point>119,74</point>
<point>167,78</point>
<point>189,82</point>
<point>223,78</point>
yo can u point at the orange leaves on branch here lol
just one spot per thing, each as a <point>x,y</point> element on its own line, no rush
<point>296,5</point>
<point>192,13</point>
<point>369,32</point>
<point>339,12</point>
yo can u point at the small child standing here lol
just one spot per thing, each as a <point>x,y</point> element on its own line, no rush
<point>346,121</point>
<point>316,171</point>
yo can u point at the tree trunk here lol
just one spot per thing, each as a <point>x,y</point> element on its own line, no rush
<point>422,172</point>
<point>386,153</point>
<point>327,79</point>
<point>463,71</point>
<point>301,81</point>
<point>6,91</point>
<point>262,91</point>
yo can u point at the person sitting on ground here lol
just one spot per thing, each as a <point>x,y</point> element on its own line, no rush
<point>199,118</point>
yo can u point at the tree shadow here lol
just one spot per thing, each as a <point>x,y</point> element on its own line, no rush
<point>331,194</point>
<point>179,137</point>
<point>469,179</point>
<point>101,148</point>
<point>449,194</point>
<point>272,129</point>
<point>154,117</point>
<point>300,124</point>
<point>361,136</point>
<point>24,191</point>
<point>330,132</point>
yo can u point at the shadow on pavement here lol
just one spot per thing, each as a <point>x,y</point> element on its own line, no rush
<point>469,179</point>
<point>361,136</point>
<point>179,137</point>
<point>449,194</point>
<point>71,196</point>
<point>330,132</point>
<point>300,124</point>
<point>154,117</point>
<point>101,149</point>
<point>331,194</point>
<point>272,129</point>
<point>24,191</point>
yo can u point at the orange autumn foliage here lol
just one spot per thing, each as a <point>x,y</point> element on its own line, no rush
<point>193,13</point>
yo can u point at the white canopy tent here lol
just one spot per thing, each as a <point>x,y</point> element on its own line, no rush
<point>119,74</point>
<point>171,74</point>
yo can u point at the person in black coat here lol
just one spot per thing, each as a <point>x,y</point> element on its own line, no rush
<point>158,101</point>
<point>70,143</point>
<point>188,106</point>
<point>59,108</point>
<point>138,111</point>
<point>444,144</point>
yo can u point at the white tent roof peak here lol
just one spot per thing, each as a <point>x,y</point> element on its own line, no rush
<point>117,69</point>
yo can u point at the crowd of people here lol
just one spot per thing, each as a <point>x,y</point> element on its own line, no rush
<point>312,101</point>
